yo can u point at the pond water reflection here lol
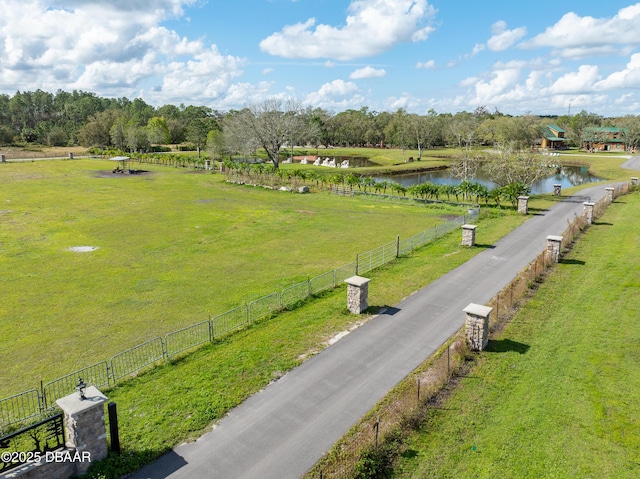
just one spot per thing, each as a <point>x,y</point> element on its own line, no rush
<point>566,176</point>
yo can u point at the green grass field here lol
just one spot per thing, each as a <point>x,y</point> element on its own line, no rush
<point>174,246</point>
<point>181,400</point>
<point>565,402</point>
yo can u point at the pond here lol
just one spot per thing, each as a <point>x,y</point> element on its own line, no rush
<point>566,176</point>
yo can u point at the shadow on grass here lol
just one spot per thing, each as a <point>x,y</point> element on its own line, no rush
<point>602,223</point>
<point>410,454</point>
<point>505,346</point>
<point>572,261</point>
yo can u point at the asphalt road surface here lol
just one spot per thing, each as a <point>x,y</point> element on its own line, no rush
<point>282,431</point>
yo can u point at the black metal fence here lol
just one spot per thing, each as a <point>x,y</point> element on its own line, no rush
<point>35,402</point>
<point>32,444</point>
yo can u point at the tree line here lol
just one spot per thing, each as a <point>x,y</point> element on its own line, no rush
<point>83,118</point>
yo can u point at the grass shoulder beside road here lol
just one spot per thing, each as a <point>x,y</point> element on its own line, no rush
<point>565,402</point>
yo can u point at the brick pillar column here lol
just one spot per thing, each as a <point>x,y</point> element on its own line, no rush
<point>477,326</point>
<point>609,194</point>
<point>357,294</point>
<point>523,205</point>
<point>634,179</point>
<point>554,244</point>
<point>588,212</point>
<point>557,190</point>
<point>84,427</point>
<point>469,235</point>
<point>3,158</point>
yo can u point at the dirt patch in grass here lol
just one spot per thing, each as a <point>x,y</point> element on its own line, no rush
<point>111,174</point>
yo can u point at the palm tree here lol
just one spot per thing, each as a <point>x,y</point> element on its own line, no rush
<point>399,188</point>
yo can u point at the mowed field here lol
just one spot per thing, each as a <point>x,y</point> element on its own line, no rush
<point>173,246</point>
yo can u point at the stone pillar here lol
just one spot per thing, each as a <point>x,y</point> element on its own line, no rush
<point>469,235</point>
<point>71,155</point>
<point>357,294</point>
<point>523,205</point>
<point>609,194</point>
<point>557,190</point>
<point>634,179</point>
<point>3,158</point>
<point>477,326</point>
<point>84,427</point>
<point>588,212</point>
<point>554,245</point>
<point>207,164</point>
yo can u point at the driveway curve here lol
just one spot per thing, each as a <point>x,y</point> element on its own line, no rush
<point>282,431</point>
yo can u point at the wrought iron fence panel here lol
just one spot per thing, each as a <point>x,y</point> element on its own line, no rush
<point>297,292</point>
<point>31,443</point>
<point>19,407</point>
<point>97,375</point>
<point>264,306</point>
<point>230,321</point>
<point>344,272</point>
<point>323,282</point>
<point>187,338</point>
<point>137,358</point>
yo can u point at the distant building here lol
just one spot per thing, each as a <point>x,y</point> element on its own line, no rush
<point>604,139</point>
<point>553,138</point>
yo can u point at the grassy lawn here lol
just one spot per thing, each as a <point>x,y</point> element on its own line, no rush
<point>565,402</point>
<point>173,247</point>
<point>170,404</point>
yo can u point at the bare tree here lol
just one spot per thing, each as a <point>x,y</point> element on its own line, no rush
<point>269,124</point>
<point>507,166</point>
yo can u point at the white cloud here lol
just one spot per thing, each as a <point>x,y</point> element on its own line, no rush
<point>114,47</point>
<point>502,38</point>
<point>336,94</point>
<point>627,78</point>
<point>428,65</point>
<point>577,37</point>
<point>501,82</point>
<point>580,81</point>
<point>367,72</point>
<point>372,27</point>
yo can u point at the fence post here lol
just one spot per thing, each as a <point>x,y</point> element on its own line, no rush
<point>397,246</point>
<point>42,401</point>
<point>114,432</point>
<point>376,426</point>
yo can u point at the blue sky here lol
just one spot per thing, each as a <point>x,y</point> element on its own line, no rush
<point>544,57</point>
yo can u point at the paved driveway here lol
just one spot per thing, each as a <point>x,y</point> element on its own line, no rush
<point>283,430</point>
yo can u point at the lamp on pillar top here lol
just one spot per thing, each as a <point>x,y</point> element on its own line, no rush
<point>81,388</point>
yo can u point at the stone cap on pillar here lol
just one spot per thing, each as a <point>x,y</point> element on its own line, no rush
<point>478,310</point>
<point>73,404</point>
<point>555,238</point>
<point>357,281</point>
<point>469,227</point>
